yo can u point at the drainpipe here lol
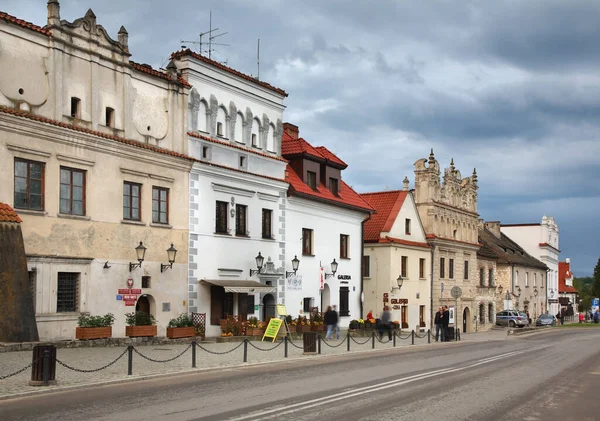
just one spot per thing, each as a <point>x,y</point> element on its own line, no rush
<point>512,279</point>
<point>362,262</point>
<point>547,310</point>
<point>431,317</point>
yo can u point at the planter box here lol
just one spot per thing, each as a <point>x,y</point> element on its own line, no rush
<point>180,332</point>
<point>302,329</point>
<point>254,331</point>
<point>135,331</point>
<point>93,332</point>
<point>319,328</point>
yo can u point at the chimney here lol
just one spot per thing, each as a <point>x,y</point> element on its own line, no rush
<point>291,130</point>
<point>53,13</point>
<point>494,228</point>
<point>172,70</point>
<point>124,39</point>
<point>406,183</point>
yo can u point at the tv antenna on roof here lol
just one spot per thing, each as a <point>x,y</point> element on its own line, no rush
<point>210,40</point>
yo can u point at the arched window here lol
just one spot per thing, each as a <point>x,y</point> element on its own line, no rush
<point>203,117</point>
<point>526,279</point>
<point>256,133</point>
<point>222,122</point>
<point>491,315</point>
<point>271,138</point>
<point>239,128</point>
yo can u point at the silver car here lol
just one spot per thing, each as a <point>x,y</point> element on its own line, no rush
<point>546,320</point>
<point>511,318</point>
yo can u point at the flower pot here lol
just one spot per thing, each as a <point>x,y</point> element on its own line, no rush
<point>136,331</point>
<point>93,332</point>
<point>302,329</point>
<point>254,331</point>
<point>317,328</point>
<point>180,332</point>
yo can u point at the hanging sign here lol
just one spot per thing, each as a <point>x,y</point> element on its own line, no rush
<point>281,310</point>
<point>321,278</point>
<point>272,329</point>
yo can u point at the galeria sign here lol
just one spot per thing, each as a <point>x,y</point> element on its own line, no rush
<point>272,329</point>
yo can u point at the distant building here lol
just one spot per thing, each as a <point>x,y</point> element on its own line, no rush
<point>541,241</point>
<point>396,249</point>
<point>568,295</point>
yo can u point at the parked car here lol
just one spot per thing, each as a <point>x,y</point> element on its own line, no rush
<point>546,320</point>
<point>511,318</point>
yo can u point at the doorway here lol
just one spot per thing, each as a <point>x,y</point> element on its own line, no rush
<point>466,318</point>
<point>143,305</point>
<point>325,297</point>
<point>268,307</point>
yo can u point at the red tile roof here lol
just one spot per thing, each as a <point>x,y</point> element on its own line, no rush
<point>346,198</point>
<point>92,132</point>
<point>188,52</point>
<point>564,273</point>
<point>7,214</point>
<point>11,19</point>
<point>387,204</point>
<point>291,146</point>
<point>149,70</point>
<point>232,145</point>
<point>331,156</point>
<point>393,240</point>
<point>548,245</point>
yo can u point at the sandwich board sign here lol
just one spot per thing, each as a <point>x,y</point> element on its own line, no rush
<point>272,329</point>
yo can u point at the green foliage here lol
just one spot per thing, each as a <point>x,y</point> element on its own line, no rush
<point>288,319</point>
<point>139,319</point>
<point>85,320</point>
<point>182,321</point>
<point>252,322</point>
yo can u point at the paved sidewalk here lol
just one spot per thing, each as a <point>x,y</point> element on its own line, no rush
<point>229,356</point>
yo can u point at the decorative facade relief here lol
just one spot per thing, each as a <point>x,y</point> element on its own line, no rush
<point>231,121</point>
<point>194,108</point>
<point>248,126</point>
<point>214,110</point>
<point>264,132</point>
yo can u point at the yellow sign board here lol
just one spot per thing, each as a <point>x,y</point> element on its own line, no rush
<point>272,329</point>
<point>281,310</point>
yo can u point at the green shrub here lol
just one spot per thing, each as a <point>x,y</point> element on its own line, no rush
<point>85,320</point>
<point>182,321</point>
<point>139,319</point>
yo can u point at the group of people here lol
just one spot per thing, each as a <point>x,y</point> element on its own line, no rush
<point>441,321</point>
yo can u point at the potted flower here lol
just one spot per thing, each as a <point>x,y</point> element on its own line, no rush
<point>140,324</point>
<point>396,324</point>
<point>316,322</point>
<point>303,325</point>
<point>94,327</point>
<point>181,327</point>
<point>254,327</point>
<point>353,324</point>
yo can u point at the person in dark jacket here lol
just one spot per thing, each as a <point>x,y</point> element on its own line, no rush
<point>385,323</point>
<point>438,323</point>
<point>445,323</point>
<point>331,321</point>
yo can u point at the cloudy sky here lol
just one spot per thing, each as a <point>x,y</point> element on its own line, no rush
<point>509,87</point>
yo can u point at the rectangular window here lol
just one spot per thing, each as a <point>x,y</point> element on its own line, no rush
<point>307,242</point>
<point>131,201</point>
<point>33,286</point>
<point>367,266</point>
<point>344,301</point>
<point>240,220</point>
<point>67,292</point>
<point>146,281</point>
<point>29,185</point>
<point>407,226</point>
<point>160,205</point>
<point>442,267</point>
<point>421,316</point>
<point>109,117</point>
<point>535,280</point>
<point>422,268</point>
<point>204,152</point>
<point>267,217</point>
<point>404,316</point>
<point>311,179</point>
<point>242,162</point>
<point>250,305</point>
<point>221,218</point>
<point>72,191</point>
<point>404,268</point>
<point>466,274</point>
<point>526,279</point>
<point>334,186</point>
<point>491,277</point>
<point>482,277</point>
<point>344,246</point>
<point>254,140</point>
<point>219,129</point>
<point>307,304</point>
<point>451,268</point>
<point>75,107</point>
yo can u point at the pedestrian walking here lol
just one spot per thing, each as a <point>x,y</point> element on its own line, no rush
<point>445,323</point>
<point>331,321</point>
<point>384,323</point>
<point>437,321</point>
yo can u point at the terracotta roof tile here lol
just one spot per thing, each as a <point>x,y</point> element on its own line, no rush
<point>387,204</point>
<point>297,146</point>
<point>11,19</point>
<point>346,198</point>
<point>564,273</point>
<point>188,52</point>
<point>7,214</point>
<point>92,132</point>
<point>149,70</point>
<point>331,156</point>
<point>388,239</point>
<point>232,145</point>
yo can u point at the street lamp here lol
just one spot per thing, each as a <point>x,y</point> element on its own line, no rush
<point>171,253</point>
<point>500,289</point>
<point>140,251</point>
<point>259,264</point>
<point>334,267</point>
<point>535,292</point>
<point>399,281</point>
<point>295,264</point>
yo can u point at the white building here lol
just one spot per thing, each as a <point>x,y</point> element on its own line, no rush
<point>323,224</point>
<point>540,241</point>
<point>396,247</point>
<point>237,192</point>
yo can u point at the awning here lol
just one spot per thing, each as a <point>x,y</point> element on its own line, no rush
<point>244,287</point>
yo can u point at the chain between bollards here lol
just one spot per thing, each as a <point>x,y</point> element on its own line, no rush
<point>245,350</point>
<point>412,334</point>
<point>130,360</point>
<point>46,368</point>
<point>194,353</point>
<point>319,344</point>
<point>285,346</point>
<point>348,341</point>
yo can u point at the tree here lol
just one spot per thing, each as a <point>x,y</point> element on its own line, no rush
<point>596,284</point>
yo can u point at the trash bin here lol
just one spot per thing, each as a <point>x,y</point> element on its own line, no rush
<point>37,368</point>
<point>450,333</point>
<point>310,342</point>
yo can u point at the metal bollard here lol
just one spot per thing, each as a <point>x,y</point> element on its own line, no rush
<point>373,340</point>
<point>245,350</point>
<point>428,336</point>
<point>130,360</point>
<point>412,334</point>
<point>319,344</point>
<point>348,341</point>
<point>194,353</point>
<point>394,338</point>
<point>285,347</point>
<point>46,368</point>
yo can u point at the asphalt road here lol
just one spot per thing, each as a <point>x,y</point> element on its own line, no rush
<point>547,376</point>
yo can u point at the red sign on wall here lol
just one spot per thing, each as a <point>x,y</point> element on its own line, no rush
<point>129,303</point>
<point>136,291</point>
<point>124,291</point>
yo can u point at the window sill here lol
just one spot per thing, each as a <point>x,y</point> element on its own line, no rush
<point>308,255</point>
<point>223,234</point>
<point>31,212</point>
<point>80,217</point>
<point>422,279</point>
<point>368,278</point>
<point>157,225</point>
<point>345,258</point>
<point>345,314</point>
<point>221,137</point>
<point>132,222</point>
<point>242,235</point>
<point>269,238</point>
